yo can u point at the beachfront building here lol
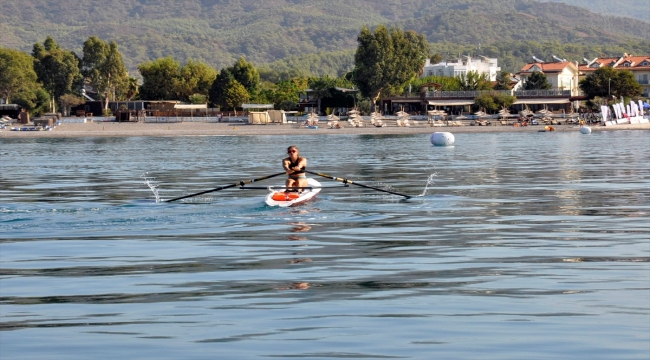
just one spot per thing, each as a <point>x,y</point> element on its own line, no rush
<point>562,75</point>
<point>481,65</point>
<point>638,65</point>
<point>340,101</point>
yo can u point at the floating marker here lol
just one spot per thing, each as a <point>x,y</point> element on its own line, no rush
<point>442,139</point>
<point>585,130</point>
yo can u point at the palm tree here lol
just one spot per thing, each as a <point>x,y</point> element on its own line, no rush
<point>321,87</point>
<point>132,88</point>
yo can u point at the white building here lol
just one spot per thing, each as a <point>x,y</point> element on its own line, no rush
<point>562,75</point>
<point>482,65</point>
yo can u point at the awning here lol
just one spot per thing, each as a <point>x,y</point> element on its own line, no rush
<point>541,101</point>
<point>257,106</point>
<point>190,106</point>
<point>450,102</point>
<point>406,101</point>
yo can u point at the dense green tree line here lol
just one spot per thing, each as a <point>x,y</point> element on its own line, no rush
<point>385,61</point>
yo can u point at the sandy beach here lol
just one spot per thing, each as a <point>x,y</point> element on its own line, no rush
<point>108,129</point>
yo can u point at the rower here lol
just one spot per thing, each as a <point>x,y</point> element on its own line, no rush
<point>294,166</point>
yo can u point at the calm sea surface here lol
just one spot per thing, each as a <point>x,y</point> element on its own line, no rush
<point>521,246</point>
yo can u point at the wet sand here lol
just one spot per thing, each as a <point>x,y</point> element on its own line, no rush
<point>103,129</point>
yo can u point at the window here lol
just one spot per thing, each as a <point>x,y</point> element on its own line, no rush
<point>645,63</point>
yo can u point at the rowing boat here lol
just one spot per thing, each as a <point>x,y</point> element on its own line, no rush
<point>285,199</point>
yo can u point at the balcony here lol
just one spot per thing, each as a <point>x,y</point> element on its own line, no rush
<point>518,93</point>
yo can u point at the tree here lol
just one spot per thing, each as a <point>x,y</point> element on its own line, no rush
<point>198,99</point>
<point>503,81</point>
<point>387,60</point>
<point>236,95</point>
<point>57,69</point>
<point>195,77</point>
<point>217,92</point>
<point>436,58</point>
<point>246,74</point>
<point>486,101</point>
<point>34,101</point>
<point>287,93</point>
<point>102,65</point>
<point>493,101</point>
<point>16,73</point>
<point>69,100</point>
<point>132,88</point>
<point>607,82</point>
<point>320,87</point>
<point>158,78</point>
<point>449,83</point>
<point>537,81</point>
<point>472,80</point>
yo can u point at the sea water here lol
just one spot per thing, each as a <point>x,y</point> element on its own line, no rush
<point>514,246</point>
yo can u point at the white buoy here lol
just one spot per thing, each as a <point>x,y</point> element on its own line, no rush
<point>585,130</point>
<point>442,139</point>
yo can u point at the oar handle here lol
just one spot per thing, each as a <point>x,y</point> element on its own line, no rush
<point>241,183</point>
<point>346,181</point>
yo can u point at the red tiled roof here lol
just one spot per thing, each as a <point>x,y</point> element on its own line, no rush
<point>635,63</point>
<point>547,67</point>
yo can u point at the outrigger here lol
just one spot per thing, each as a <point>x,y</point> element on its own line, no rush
<point>285,197</point>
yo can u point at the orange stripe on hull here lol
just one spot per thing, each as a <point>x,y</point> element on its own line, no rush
<point>284,196</point>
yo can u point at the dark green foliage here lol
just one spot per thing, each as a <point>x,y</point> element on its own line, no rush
<point>103,68</point>
<point>387,60</point>
<point>235,95</point>
<point>493,101</point>
<point>286,93</point>
<point>537,81</point>
<point>472,80</point>
<point>17,73</point>
<point>435,58</point>
<point>195,77</point>
<point>246,74</point>
<point>219,86</point>
<point>158,78</point>
<point>321,88</point>
<point>57,69</point>
<point>448,83</point>
<point>503,81</point>
<point>606,82</point>
<point>35,101</point>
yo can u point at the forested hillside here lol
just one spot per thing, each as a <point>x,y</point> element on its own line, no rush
<point>638,9</point>
<point>316,37</point>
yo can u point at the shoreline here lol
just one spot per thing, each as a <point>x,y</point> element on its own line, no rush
<point>127,129</point>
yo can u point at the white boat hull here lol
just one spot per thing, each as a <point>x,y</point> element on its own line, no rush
<point>304,196</point>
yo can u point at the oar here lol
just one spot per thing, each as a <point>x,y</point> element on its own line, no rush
<point>241,183</point>
<point>346,181</point>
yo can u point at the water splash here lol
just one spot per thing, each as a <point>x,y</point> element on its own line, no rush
<point>430,181</point>
<point>154,188</point>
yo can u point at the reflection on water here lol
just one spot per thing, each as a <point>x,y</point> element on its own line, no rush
<point>519,246</point>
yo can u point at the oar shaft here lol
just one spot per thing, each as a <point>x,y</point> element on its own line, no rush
<point>346,181</point>
<point>241,183</point>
